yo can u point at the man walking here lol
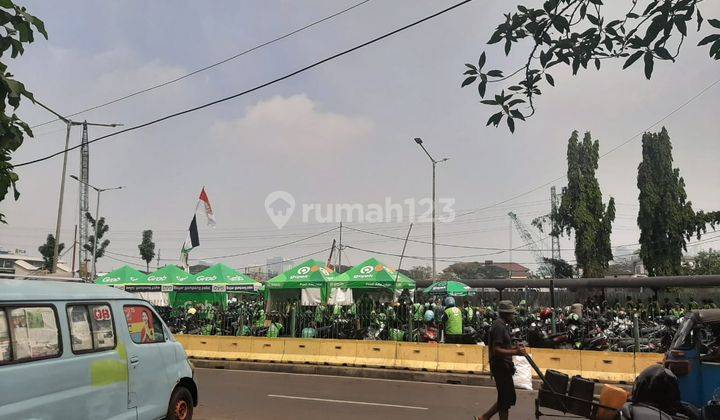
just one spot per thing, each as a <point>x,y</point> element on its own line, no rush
<point>501,364</point>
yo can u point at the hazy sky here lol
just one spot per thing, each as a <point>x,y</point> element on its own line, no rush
<point>341,133</point>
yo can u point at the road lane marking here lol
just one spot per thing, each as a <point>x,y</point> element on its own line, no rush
<point>442,384</point>
<point>292,397</point>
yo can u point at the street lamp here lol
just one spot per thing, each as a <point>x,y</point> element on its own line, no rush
<point>419,141</point>
<point>97,219</point>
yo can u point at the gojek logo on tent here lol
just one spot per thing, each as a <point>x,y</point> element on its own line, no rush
<point>280,206</point>
<point>367,269</point>
<point>303,270</point>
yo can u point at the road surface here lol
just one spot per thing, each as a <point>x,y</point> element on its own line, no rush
<point>235,394</point>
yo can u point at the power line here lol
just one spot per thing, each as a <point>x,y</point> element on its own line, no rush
<point>666,116</point>
<point>208,67</point>
<point>258,87</point>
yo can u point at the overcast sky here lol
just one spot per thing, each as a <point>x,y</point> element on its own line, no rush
<point>340,133</point>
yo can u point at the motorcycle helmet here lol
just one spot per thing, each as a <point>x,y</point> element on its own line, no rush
<point>429,316</point>
<point>449,301</point>
<point>545,313</point>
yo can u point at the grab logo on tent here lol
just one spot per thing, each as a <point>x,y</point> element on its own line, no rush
<point>280,206</point>
<point>156,278</point>
<point>303,270</point>
<point>111,280</point>
<point>206,278</point>
<point>367,269</point>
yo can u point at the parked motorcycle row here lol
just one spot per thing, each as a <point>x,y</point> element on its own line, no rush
<point>595,325</point>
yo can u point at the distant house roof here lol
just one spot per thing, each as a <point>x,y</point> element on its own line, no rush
<point>514,269</point>
<point>26,265</point>
<point>20,257</point>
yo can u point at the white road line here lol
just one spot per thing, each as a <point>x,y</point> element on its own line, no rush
<point>291,397</point>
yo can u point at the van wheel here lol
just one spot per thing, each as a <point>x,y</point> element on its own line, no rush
<point>181,405</point>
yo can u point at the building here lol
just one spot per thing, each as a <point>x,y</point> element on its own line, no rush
<point>509,269</point>
<point>277,265</point>
<point>22,265</point>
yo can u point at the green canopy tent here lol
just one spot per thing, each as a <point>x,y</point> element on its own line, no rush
<point>212,285</point>
<point>372,275</point>
<point>121,277</point>
<point>308,279</point>
<point>449,288</point>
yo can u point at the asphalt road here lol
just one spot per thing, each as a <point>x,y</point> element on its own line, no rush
<point>234,394</point>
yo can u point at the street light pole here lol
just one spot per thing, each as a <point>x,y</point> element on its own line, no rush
<point>419,141</point>
<point>97,220</point>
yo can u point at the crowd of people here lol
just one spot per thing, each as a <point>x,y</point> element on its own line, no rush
<point>630,325</point>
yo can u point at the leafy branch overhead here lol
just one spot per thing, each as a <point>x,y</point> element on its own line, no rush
<point>579,34</point>
<point>18,27</point>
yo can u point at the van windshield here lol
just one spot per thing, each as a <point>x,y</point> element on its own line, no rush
<point>683,339</point>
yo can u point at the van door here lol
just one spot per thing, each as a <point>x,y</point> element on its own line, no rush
<point>149,389</point>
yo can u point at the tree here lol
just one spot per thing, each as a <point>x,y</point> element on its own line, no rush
<point>706,262</point>
<point>102,229</point>
<point>418,273</point>
<point>666,219</point>
<point>560,268</point>
<point>18,30</point>
<point>582,211</point>
<point>147,248</point>
<point>47,251</point>
<point>578,34</point>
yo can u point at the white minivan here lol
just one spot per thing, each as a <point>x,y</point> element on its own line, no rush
<point>81,351</point>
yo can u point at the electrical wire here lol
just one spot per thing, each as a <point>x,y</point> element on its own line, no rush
<point>253,89</point>
<point>208,67</point>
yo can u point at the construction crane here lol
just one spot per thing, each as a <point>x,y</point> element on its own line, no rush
<point>544,270</point>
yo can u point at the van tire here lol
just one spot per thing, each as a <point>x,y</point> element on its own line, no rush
<point>181,405</point>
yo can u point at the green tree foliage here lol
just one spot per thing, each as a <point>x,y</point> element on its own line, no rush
<point>582,211</point>
<point>666,219</point>
<point>706,262</point>
<point>47,251</point>
<point>580,34</point>
<point>18,27</point>
<point>102,229</point>
<point>560,268</point>
<point>418,273</point>
<point>147,248</point>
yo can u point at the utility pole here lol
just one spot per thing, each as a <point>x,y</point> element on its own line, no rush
<point>340,251</point>
<point>555,238</point>
<point>419,141</point>
<point>69,124</point>
<point>157,267</point>
<point>72,270</point>
<point>510,248</point>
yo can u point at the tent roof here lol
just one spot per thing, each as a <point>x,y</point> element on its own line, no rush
<point>310,274</point>
<point>221,274</point>
<point>450,288</point>
<point>121,276</point>
<point>170,274</point>
<point>372,274</point>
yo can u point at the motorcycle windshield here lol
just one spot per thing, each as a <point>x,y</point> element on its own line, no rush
<point>683,339</point>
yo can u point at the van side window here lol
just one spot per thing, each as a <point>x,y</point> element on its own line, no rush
<point>34,333</point>
<point>143,325</point>
<point>91,328</point>
<point>5,355</point>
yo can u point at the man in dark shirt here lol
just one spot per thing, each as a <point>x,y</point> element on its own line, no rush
<point>501,364</point>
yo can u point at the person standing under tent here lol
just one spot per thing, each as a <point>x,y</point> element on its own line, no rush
<point>501,364</point>
<point>452,319</point>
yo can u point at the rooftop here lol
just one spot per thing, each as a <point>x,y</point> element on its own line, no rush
<point>38,290</point>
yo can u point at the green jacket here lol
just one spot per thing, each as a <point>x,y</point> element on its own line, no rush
<point>274,330</point>
<point>454,321</point>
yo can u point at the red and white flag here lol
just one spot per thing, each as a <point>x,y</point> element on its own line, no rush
<point>208,208</point>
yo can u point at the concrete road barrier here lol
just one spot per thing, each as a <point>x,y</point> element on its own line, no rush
<point>430,357</point>
<point>417,356</point>
<point>460,358</point>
